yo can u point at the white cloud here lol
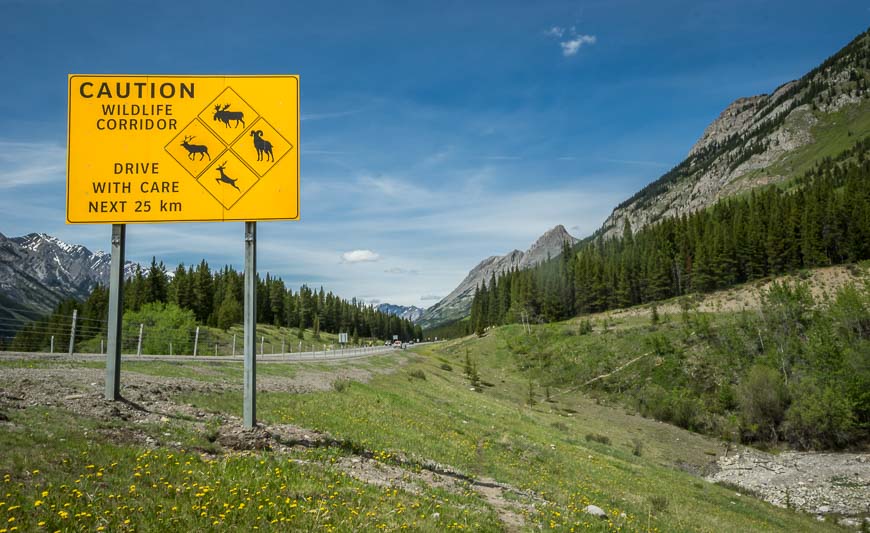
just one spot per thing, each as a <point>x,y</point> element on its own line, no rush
<point>570,47</point>
<point>359,256</point>
<point>573,41</point>
<point>556,31</point>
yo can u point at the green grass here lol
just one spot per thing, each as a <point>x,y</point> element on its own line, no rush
<point>832,134</point>
<point>58,474</point>
<point>398,418</point>
<point>542,449</point>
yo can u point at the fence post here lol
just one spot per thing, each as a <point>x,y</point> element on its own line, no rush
<point>262,340</point>
<point>234,344</point>
<point>72,333</point>
<point>196,341</point>
<point>139,344</point>
<point>52,345</point>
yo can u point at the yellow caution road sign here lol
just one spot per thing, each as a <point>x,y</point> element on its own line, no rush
<point>147,148</point>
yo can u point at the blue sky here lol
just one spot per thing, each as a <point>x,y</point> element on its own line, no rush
<point>433,134</point>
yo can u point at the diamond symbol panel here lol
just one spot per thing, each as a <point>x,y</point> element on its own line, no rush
<point>228,180</point>
<point>194,148</point>
<point>262,147</point>
<point>228,115</point>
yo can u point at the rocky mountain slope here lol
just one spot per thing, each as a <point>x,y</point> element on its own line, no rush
<point>412,313</point>
<point>763,139</point>
<point>37,271</point>
<point>458,303</point>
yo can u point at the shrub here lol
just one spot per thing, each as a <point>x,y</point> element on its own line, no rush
<point>341,384</point>
<point>653,402</point>
<point>637,447</point>
<point>417,374</point>
<point>165,324</point>
<point>658,503</point>
<point>595,437</point>
<point>685,409</point>
<point>447,367</point>
<point>819,417</point>
<point>763,400</point>
<point>561,426</point>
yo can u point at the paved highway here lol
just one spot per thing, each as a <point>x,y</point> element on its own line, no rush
<point>298,357</point>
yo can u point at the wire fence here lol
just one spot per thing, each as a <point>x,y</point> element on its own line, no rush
<point>90,337</point>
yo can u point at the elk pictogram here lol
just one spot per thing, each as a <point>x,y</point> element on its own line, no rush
<point>221,113</point>
<point>193,149</point>
<point>224,178</point>
<point>262,146</point>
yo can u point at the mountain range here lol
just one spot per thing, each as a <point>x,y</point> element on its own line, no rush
<point>458,303</point>
<point>412,313</point>
<point>37,271</point>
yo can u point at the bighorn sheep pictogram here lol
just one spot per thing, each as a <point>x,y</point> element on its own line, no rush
<point>193,149</point>
<point>224,178</point>
<point>221,113</point>
<point>262,146</point>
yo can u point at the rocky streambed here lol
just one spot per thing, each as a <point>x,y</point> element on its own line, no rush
<point>824,484</point>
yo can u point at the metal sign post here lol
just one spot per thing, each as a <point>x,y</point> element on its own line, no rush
<point>116,313</point>
<point>250,335</point>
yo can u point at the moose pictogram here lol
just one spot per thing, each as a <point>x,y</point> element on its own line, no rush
<point>221,113</point>
<point>262,146</point>
<point>193,149</point>
<point>224,178</point>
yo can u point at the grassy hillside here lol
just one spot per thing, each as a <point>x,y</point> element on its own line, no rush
<point>711,371</point>
<point>832,134</point>
<point>388,443</point>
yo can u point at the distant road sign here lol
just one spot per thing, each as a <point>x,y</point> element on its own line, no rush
<point>182,148</point>
<point>342,338</point>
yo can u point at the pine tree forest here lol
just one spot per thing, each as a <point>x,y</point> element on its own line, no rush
<point>215,298</point>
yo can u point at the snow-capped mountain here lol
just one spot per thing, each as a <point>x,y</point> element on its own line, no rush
<point>411,313</point>
<point>38,270</point>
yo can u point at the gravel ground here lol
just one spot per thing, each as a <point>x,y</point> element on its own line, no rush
<point>816,483</point>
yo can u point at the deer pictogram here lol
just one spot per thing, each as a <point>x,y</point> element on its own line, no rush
<point>193,149</point>
<point>224,178</point>
<point>262,146</point>
<point>221,113</point>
